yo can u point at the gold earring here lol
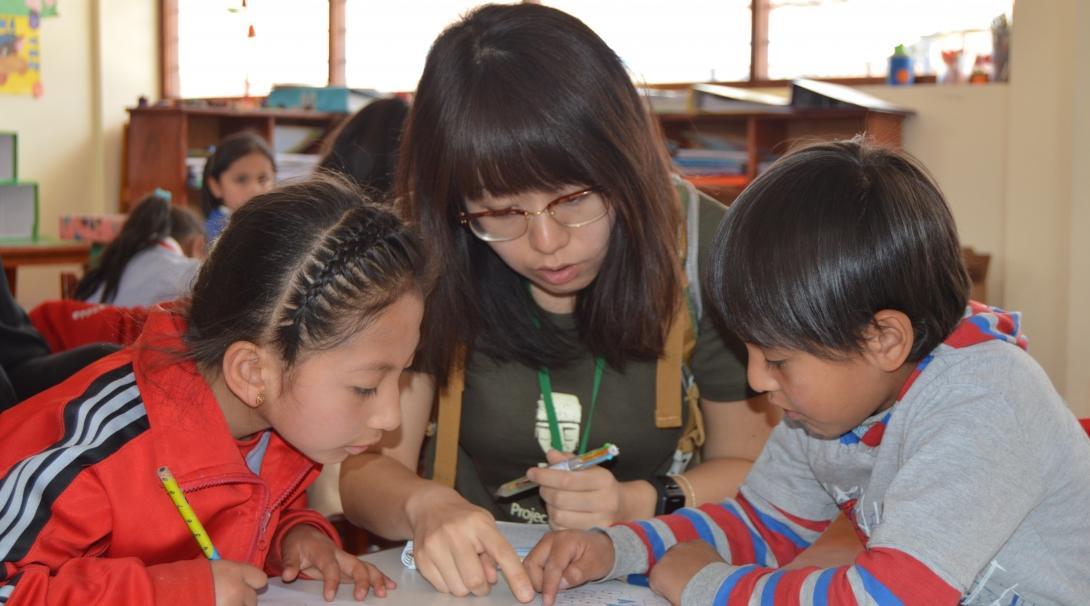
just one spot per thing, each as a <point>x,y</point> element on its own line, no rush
<point>260,398</point>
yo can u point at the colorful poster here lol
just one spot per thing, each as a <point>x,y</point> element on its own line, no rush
<point>20,55</point>
<point>42,8</point>
<point>20,45</point>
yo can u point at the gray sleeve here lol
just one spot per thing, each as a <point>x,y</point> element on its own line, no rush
<point>629,555</point>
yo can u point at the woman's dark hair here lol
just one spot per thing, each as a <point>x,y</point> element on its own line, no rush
<point>231,148</point>
<point>517,98</point>
<point>364,148</point>
<point>301,268</point>
<point>148,223</point>
<point>829,235</point>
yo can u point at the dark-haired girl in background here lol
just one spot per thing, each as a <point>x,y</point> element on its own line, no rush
<point>154,258</point>
<point>241,167</point>
<point>364,148</point>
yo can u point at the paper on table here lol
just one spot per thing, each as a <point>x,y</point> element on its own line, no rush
<point>614,593</point>
<point>522,537</point>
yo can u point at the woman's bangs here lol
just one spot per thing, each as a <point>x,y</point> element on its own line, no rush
<point>505,149</point>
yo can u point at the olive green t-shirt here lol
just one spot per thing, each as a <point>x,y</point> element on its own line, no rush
<point>504,430</point>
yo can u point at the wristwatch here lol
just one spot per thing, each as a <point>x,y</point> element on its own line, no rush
<point>670,496</point>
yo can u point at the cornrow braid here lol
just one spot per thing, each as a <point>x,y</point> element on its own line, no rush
<point>348,266</point>
<point>302,268</point>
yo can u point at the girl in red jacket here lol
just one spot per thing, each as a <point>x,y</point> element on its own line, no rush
<point>288,356</point>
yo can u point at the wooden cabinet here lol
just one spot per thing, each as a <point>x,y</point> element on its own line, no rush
<point>769,134</point>
<point>159,139</point>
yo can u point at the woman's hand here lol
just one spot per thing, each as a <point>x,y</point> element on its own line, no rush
<point>457,546</point>
<point>236,583</point>
<point>580,499</point>
<point>307,550</point>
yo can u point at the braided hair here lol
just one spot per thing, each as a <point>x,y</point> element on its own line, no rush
<point>302,268</point>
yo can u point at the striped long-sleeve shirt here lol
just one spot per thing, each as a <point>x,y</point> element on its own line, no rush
<point>973,488</point>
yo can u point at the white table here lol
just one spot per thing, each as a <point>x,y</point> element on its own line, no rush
<point>414,590</point>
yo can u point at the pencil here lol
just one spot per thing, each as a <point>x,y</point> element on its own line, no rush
<point>191,521</point>
<point>587,459</point>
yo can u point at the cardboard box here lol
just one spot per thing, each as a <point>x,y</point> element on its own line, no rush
<point>18,210</point>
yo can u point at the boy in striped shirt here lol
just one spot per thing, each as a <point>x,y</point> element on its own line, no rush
<point>912,410</point>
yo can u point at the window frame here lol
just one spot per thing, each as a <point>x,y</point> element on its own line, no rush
<point>170,86</point>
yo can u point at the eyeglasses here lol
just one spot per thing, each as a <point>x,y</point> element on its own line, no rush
<point>573,210</point>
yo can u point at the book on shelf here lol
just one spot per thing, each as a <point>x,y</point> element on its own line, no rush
<point>18,210</point>
<point>720,98</point>
<point>812,94</point>
<point>667,101</point>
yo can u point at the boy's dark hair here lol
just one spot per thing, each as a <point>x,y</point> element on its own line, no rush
<point>364,148</point>
<point>523,97</point>
<point>302,268</point>
<point>150,221</point>
<point>231,148</point>
<point>829,235</point>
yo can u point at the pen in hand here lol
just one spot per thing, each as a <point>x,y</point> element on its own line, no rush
<point>583,461</point>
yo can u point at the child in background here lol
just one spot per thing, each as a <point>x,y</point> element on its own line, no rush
<point>288,357</point>
<point>911,409</point>
<point>153,259</point>
<point>365,146</point>
<point>241,167</point>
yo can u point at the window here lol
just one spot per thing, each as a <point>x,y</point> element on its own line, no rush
<point>217,56</point>
<point>677,41</point>
<point>386,42</point>
<point>854,38</point>
<point>208,51</point>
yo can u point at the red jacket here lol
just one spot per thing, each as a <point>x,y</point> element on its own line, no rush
<point>66,324</point>
<point>83,516</point>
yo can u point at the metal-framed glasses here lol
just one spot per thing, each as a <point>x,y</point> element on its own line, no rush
<point>572,210</point>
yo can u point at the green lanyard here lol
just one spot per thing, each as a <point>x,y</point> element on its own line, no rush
<point>550,409</point>
<point>546,384</point>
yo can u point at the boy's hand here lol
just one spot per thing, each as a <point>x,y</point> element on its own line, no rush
<point>673,572</point>
<point>568,558</point>
<point>236,583</point>
<point>307,550</point>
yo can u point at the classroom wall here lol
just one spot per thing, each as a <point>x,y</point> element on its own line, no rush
<point>1077,386</point>
<point>98,56</point>
<point>1012,161</point>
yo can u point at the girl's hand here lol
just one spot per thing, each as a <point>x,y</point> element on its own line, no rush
<point>568,558</point>
<point>307,550</point>
<point>457,546</point>
<point>680,564</point>
<point>236,583</point>
<point>578,499</point>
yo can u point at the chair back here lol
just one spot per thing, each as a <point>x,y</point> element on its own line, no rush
<point>69,283</point>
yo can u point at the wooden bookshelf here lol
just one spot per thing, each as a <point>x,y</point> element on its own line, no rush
<point>159,139</point>
<point>771,133</point>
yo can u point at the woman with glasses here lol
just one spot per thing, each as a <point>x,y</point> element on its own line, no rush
<point>535,172</point>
